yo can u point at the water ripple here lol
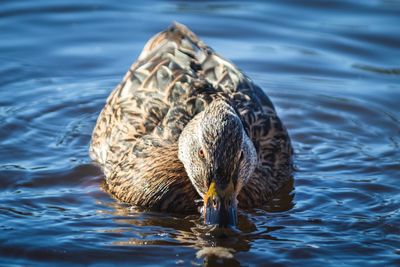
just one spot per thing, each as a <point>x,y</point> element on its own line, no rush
<point>330,68</point>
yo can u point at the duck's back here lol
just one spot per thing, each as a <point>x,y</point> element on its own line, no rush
<point>174,78</point>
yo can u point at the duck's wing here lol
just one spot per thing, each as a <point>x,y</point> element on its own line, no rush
<point>150,104</point>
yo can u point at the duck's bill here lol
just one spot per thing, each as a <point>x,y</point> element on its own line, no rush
<point>220,214</point>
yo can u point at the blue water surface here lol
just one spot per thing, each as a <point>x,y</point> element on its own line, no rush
<point>332,69</point>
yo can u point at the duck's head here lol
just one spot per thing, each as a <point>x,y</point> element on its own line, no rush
<point>219,158</point>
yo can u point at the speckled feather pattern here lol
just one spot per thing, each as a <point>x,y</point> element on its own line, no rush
<point>175,77</point>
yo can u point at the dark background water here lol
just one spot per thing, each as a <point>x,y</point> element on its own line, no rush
<point>331,68</point>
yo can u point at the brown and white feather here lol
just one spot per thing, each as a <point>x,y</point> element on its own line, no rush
<point>175,77</point>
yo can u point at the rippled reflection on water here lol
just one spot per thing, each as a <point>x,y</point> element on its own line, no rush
<point>331,69</point>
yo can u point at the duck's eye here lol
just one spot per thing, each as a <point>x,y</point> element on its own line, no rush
<point>241,155</point>
<point>201,153</point>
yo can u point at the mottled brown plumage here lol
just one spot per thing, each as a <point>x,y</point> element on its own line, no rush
<point>175,78</point>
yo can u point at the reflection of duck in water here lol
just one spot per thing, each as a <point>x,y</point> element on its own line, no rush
<point>185,121</point>
<point>188,230</point>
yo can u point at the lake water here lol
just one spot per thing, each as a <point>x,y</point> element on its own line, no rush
<point>331,68</point>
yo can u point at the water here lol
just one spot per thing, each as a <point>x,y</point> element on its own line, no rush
<point>331,69</point>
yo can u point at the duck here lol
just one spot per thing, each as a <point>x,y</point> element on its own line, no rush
<point>186,124</point>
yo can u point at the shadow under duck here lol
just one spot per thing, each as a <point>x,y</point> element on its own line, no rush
<point>185,122</point>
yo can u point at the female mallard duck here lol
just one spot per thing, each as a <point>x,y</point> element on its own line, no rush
<point>186,122</point>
